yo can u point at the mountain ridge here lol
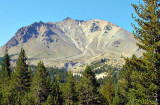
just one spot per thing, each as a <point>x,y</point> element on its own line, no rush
<point>71,40</point>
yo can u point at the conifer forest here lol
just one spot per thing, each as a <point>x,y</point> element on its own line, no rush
<point>137,82</point>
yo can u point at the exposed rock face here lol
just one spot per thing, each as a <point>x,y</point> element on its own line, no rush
<point>57,43</point>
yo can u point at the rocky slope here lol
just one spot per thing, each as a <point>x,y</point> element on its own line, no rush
<point>72,43</point>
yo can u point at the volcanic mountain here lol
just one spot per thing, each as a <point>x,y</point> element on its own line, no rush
<point>72,42</point>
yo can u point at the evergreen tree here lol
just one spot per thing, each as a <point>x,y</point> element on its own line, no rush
<point>134,87</point>
<point>69,90</point>
<point>39,89</point>
<point>109,92</point>
<point>5,71</point>
<point>5,78</point>
<point>124,82</point>
<point>21,80</point>
<point>50,100</point>
<point>58,98</point>
<point>88,89</point>
<point>148,34</point>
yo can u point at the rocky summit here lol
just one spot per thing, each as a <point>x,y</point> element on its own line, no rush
<point>71,43</point>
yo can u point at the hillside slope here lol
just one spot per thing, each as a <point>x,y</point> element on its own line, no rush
<point>71,43</point>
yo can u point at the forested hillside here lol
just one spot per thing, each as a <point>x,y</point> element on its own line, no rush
<point>40,85</point>
<point>137,82</point>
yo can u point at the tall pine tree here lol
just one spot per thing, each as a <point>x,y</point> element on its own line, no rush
<point>5,71</point>
<point>133,84</point>
<point>109,91</point>
<point>39,89</point>
<point>125,81</point>
<point>5,78</point>
<point>70,90</point>
<point>148,33</point>
<point>21,79</point>
<point>88,89</point>
<point>58,98</point>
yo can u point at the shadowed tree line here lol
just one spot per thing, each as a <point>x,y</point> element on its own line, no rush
<point>21,86</point>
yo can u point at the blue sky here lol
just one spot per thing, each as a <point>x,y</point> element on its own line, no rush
<point>15,14</point>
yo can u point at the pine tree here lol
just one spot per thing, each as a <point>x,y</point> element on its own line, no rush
<point>6,71</point>
<point>148,34</point>
<point>5,78</point>
<point>39,89</point>
<point>21,80</point>
<point>88,89</point>
<point>50,100</point>
<point>58,98</point>
<point>109,92</point>
<point>127,83</point>
<point>69,90</point>
<point>134,87</point>
<point>124,82</point>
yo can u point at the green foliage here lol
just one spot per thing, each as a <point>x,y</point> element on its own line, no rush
<point>109,91</point>
<point>44,89</point>
<point>39,87</point>
<point>58,98</point>
<point>134,84</point>
<point>88,89</point>
<point>116,100</point>
<point>53,72</point>
<point>99,66</point>
<point>140,77</point>
<point>148,35</point>
<point>5,78</point>
<point>27,100</point>
<point>125,82</point>
<point>138,83</point>
<point>6,71</point>
<point>20,79</point>
<point>50,100</point>
<point>1,60</point>
<point>70,95</point>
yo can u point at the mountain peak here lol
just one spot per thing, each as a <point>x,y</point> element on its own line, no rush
<point>71,40</point>
<point>38,23</point>
<point>68,19</point>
